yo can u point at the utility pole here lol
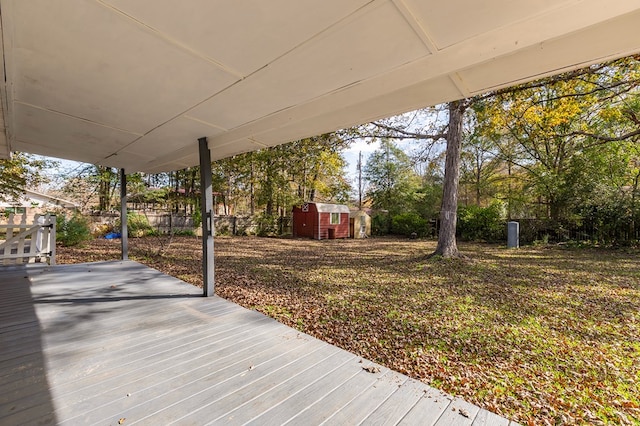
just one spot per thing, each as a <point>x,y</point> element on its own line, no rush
<point>360,181</point>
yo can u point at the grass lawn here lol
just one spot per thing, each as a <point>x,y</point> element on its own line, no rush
<point>540,334</point>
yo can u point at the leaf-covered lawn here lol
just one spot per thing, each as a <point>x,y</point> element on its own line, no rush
<point>540,335</point>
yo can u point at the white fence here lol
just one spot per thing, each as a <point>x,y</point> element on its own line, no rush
<point>22,242</point>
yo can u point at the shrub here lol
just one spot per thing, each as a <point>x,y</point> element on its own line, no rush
<point>267,225</point>
<point>196,217</point>
<point>102,229</point>
<point>380,224</point>
<point>72,231</point>
<point>184,232</point>
<point>223,230</point>
<point>408,223</point>
<point>137,225</point>
<point>477,223</point>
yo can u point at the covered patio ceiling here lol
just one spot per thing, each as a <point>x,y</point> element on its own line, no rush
<point>134,84</point>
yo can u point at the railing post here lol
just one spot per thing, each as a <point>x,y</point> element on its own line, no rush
<point>41,222</point>
<point>52,240</point>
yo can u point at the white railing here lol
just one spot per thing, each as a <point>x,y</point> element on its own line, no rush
<point>22,242</point>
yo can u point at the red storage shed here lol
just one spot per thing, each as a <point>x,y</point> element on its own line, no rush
<point>321,221</point>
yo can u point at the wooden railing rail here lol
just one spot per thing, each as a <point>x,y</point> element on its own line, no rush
<point>22,242</point>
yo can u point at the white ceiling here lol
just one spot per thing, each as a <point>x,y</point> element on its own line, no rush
<point>135,83</point>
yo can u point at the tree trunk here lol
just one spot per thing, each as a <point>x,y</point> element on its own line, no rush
<point>448,212</point>
<point>105,190</point>
<point>252,192</point>
<point>634,191</point>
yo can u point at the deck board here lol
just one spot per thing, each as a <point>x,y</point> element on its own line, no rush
<point>357,410</point>
<point>396,406</point>
<point>95,343</point>
<point>333,402</point>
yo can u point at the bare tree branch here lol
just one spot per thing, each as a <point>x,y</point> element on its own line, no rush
<point>405,134</point>
<point>600,139</point>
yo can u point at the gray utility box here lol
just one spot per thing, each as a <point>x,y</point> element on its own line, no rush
<point>513,234</point>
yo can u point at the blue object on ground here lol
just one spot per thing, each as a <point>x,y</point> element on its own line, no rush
<point>113,235</point>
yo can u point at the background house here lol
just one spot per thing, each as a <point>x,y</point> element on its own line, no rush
<point>33,202</point>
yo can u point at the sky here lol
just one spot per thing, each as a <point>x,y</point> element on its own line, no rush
<point>67,167</point>
<point>351,156</point>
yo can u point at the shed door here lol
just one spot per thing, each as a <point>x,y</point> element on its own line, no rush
<point>307,224</point>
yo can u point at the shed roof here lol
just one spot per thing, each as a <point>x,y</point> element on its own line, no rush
<point>357,213</point>
<point>331,208</point>
<point>134,84</point>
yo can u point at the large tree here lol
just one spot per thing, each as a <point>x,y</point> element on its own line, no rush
<point>431,126</point>
<point>447,246</point>
<point>535,129</point>
<point>20,172</point>
<point>556,129</point>
<point>392,181</point>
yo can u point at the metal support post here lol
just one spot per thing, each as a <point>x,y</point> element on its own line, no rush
<point>206,209</point>
<point>124,236</point>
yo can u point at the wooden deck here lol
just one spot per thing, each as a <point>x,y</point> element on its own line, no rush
<point>117,342</point>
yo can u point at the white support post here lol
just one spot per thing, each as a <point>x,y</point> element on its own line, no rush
<point>206,210</point>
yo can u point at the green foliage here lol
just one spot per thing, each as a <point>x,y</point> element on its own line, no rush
<point>73,230</point>
<point>106,179</point>
<point>245,229</point>
<point>184,233</point>
<point>148,195</point>
<point>482,223</point>
<point>380,224</point>
<point>560,137</point>
<point>409,223</point>
<point>267,225</point>
<point>20,172</point>
<point>275,179</point>
<point>137,225</point>
<point>612,215</point>
<point>223,230</point>
<point>100,230</point>
<point>428,198</point>
<point>393,182</point>
<point>197,218</point>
